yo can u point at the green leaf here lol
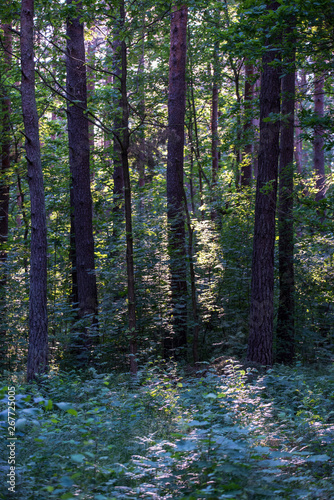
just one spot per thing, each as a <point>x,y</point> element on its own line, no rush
<point>71,411</point>
<point>67,496</point>
<point>198,423</point>
<point>78,457</point>
<point>318,458</point>
<point>48,405</point>
<point>64,406</point>
<point>21,423</point>
<point>66,481</point>
<point>211,395</point>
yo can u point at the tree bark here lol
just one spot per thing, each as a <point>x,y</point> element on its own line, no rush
<point>91,89</point>
<point>318,143</point>
<point>285,341</point>
<point>141,135</point>
<point>214,124</point>
<point>260,342</point>
<point>214,116</point>
<point>118,178</point>
<point>4,185</point>
<point>175,207</point>
<point>246,168</point>
<point>125,143</point>
<point>38,321</point>
<point>298,132</point>
<point>78,137</point>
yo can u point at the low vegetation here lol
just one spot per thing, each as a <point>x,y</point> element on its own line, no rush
<point>212,434</point>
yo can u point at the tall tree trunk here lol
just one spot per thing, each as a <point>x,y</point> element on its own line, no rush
<point>246,168</point>
<point>285,343</point>
<point>38,321</point>
<point>141,109</point>
<point>298,132</point>
<point>318,143</point>
<point>175,189</point>
<point>73,255</point>
<point>214,115</point>
<point>214,123</point>
<point>125,143</point>
<point>25,220</point>
<point>91,89</point>
<point>118,178</point>
<point>260,340</point>
<point>4,186</point>
<point>195,139</point>
<point>78,138</point>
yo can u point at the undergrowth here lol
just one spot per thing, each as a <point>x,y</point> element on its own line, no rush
<point>169,436</point>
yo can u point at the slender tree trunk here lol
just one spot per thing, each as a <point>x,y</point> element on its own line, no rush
<point>21,204</point>
<point>91,89</point>
<point>285,343</point>
<point>191,178</point>
<point>302,83</point>
<point>78,137</point>
<point>118,176</point>
<point>214,124</point>
<point>260,340</point>
<point>195,143</point>
<point>38,321</point>
<point>192,282</point>
<point>73,255</point>
<point>175,189</point>
<point>298,138</point>
<point>125,143</point>
<point>237,148</point>
<point>246,169</point>
<point>214,116</point>
<point>318,143</point>
<point>4,187</point>
<point>141,109</point>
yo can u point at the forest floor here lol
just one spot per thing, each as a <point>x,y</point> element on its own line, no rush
<point>167,435</point>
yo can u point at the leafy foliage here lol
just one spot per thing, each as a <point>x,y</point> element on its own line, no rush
<point>167,435</point>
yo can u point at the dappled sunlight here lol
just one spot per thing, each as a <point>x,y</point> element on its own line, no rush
<point>226,436</point>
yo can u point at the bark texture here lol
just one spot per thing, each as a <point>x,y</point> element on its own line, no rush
<point>318,144</point>
<point>175,201</point>
<point>285,342</point>
<point>214,115</point>
<point>125,143</point>
<point>214,125</point>
<point>260,342</point>
<point>4,185</point>
<point>118,178</point>
<point>38,323</point>
<point>78,137</point>
<point>246,168</point>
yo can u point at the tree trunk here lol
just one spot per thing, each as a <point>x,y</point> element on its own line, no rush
<point>118,193</point>
<point>285,343</point>
<point>125,142</point>
<point>4,186</point>
<point>260,340</point>
<point>78,137</point>
<point>246,168</point>
<point>214,124</point>
<point>298,132</point>
<point>318,143</point>
<point>141,109</point>
<point>91,90</point>
<point>214,116</point>
<point>175,207</point>
<point>38,321</point>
